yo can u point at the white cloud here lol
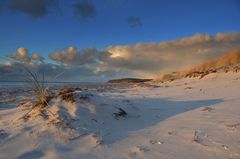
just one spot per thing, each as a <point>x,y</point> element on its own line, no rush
<point>22,55</point>
<point>162,57</point>
<point>144,60</point>
<point>72,56</point>
<point>37,57</point>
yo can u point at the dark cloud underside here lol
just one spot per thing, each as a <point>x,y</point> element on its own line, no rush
<point>85,10</point>
<point>134,21</point>
<point>33,8</point>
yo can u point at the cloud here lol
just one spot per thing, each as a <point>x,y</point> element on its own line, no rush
<point>12,71</point>
<point>144,60</point>
<point>72,56</point>
<point>73,65</point>
<point>22,55</point>
<point>1,6</point>
<point>37,57</point>
<point>134,21</point>
<point>85,10</point>
<point>156,58</point>
<point>33,8</point>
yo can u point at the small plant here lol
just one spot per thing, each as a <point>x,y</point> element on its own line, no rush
<point>39,88</point>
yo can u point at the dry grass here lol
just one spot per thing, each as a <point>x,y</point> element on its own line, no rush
<point>40,91</point>
<point>39,88</point>
<point>230,58</point>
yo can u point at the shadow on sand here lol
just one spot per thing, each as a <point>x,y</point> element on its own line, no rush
<point>142,113</point>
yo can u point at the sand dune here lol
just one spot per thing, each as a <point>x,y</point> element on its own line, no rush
<point>230,61</point>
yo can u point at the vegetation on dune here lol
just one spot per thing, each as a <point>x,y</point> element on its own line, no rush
<point>229,59</point>
<point>39,88</point>
<point>129,80</point>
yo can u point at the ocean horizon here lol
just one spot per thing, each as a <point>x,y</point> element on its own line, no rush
<point>48,83</point>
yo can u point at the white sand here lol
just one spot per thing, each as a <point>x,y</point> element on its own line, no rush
<point>183,119</point>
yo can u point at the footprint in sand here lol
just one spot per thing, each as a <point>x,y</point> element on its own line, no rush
<point>233,126</point>
<point>97,139</point>
<point>172,132</point>
<point>136,150</point>
<point>200,138</point>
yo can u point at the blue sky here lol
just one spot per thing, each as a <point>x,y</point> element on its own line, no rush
<point>96,40</point>
<point>160,20</point>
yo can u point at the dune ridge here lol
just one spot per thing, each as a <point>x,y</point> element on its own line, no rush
<point>230,61</point>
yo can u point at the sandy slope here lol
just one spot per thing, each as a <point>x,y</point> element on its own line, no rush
<point>183,119</point>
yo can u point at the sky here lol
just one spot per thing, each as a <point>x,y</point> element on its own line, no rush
<point>104,39</point>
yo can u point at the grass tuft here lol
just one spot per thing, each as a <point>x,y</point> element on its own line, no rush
<point>39,88</point>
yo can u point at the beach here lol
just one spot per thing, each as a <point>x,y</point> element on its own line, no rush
<point>185,118</point>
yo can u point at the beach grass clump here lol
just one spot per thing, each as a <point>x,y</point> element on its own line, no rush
<point>39,88</point>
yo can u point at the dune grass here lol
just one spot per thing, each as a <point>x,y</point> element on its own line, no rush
<point>38,87</point>
<point>230,58</point>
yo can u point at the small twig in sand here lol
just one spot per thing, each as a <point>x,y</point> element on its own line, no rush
<point>207,109</point>
<point>120,113</point>
<point>195,137</point>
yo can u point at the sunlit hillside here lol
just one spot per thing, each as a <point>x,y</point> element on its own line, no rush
<point>227,62</point>
<point>230,58</point>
